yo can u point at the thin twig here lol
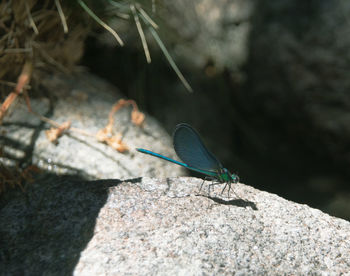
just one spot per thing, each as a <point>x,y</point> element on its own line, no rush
<point>13,84</point>
<point>17,50</point>
<point>55,124</point>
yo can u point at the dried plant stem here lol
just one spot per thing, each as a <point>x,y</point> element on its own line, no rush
<point>55,124</point>
<point>17,50</point>
<point>13,84</point>
<point>22,82</point>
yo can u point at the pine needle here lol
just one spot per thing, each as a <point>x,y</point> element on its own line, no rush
<point>120,6</point>
<point>167,55</point>
<point>99,21</point>
<point>147,17</point>
<point>142,35</point>
<point>153,6</point>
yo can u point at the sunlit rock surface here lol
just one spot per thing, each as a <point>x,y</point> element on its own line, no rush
<point>162,226</point>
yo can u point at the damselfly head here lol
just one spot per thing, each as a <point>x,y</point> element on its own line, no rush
<point>235,178</point>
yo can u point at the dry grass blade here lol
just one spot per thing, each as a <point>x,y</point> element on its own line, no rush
<point>99,21</point>
<point>121,6</point>
<point>13,84</point>
<point>142,35</point>
<point>63,18</point>
<point>170,59</point>
<point>17,50</point>
<point>147,17</point>
<point>167,55</point>
<point>31,21</point>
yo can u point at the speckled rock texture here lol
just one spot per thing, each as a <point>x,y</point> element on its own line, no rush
<point>147,226</point>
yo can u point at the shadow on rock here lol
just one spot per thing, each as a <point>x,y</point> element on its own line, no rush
<point>44,230</point>
<point>234,202</point>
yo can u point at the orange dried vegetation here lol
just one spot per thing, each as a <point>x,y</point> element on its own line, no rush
<point>54,133</point>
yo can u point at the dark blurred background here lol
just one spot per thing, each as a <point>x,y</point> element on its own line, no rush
<point>270,81</point>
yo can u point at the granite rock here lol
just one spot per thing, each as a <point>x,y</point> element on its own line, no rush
<point>165,226</point>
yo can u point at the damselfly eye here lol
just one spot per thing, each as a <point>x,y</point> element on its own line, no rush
<point>235,178</point>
